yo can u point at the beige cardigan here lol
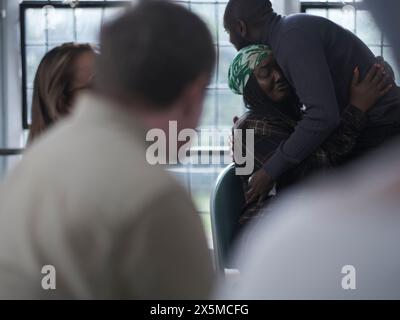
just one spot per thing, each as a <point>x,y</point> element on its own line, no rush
<point>84,200</point>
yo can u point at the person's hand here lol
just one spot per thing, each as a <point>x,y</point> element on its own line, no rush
<point>365,93</point>
<point>260,185</point>
<point>386,67</point>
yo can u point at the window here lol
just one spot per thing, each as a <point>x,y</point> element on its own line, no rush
<point>354,16</point>
<point>45,24</point>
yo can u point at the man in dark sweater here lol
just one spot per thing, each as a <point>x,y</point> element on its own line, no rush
<point>318,58</point>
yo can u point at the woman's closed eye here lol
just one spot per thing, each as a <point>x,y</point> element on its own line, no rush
<point>264,72</point>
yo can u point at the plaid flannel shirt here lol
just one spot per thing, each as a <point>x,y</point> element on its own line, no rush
<point>271,130</point>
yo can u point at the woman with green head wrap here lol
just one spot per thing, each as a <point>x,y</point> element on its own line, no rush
<point>275,110</point>
<point>255,74</point>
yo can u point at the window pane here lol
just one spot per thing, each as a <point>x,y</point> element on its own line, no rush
<point>209,110</point>
<point>60,23</point>
<point>359,21</point>
<point>229,105</point>
<point>226,55</point>
<point>390,57</point>
<point>181,174</point>
<point>366,28</point>
<point>33,57</point>
<point>318,12</point>
<point>223,35</point>
<point>376,50</point>
<point>35,27</point>
<point>88,23</point>
<point>202,180</point>
<point>112,13</point>
<point>208,14</point>
<point>345,18</point>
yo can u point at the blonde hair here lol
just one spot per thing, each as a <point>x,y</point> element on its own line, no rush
<point>52,86</point>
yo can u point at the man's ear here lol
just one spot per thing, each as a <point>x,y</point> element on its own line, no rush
<point>241,28</point>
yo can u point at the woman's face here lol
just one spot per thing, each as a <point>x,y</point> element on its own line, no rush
<point>271,80</point>
<point>83,73</point>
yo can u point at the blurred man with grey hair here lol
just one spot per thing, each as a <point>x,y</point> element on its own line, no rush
<point>84,215</point>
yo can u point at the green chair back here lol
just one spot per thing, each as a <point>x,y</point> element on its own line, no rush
<point>227,201</point>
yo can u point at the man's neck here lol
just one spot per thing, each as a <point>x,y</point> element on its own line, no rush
<point>268,27</point>
<point>145,114</point>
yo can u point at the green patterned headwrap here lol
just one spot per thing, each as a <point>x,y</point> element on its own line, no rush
<point>244,64</point>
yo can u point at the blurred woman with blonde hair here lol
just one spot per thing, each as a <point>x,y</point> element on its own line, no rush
<point>63,72</point>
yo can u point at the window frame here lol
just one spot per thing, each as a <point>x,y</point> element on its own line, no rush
<point>358,5</point>
<point>23,7</point>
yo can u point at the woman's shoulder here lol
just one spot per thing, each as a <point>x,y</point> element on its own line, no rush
<point>263,125</point>
<point>245,121</point>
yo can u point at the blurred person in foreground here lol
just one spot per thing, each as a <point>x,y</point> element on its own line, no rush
<point>342,244</point>
<point>85,200</point>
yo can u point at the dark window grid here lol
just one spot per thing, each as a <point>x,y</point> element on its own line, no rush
<point>24,6</point>
<point>305,6</point>
<point>103,5</point>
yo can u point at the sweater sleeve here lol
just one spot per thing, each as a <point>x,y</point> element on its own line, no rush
<point>303,61</point>
<point>344,139</point>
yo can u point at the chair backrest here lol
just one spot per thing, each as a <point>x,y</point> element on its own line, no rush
<point>227,202</point>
